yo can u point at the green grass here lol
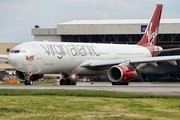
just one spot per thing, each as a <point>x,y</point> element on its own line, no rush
<point>85,105</point>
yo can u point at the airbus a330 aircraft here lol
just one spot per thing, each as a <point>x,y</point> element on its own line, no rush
<point>118,61</point>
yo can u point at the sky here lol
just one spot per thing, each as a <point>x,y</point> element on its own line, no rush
<point>18,17</point>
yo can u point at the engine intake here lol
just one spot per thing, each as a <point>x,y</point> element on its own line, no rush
<point>21,76</point>
<point>121,73</point>
<point>24,76</point>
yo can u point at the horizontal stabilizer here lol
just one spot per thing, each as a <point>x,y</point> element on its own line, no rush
<point>167,50</point>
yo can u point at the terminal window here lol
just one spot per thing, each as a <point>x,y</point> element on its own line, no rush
<point>7,50</point>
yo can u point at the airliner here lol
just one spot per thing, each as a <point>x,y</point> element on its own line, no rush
<point>119,62</point>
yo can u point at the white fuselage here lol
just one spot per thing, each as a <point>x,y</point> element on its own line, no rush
<point>57,57</point>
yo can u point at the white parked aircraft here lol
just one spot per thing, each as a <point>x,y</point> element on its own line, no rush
<point>118,61</point>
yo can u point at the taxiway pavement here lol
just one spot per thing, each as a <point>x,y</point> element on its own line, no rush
<point>138,87</point>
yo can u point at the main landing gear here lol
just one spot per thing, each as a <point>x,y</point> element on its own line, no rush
<point>120,83</point>
<point>68,79</point>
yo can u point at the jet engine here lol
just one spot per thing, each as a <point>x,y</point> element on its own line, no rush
<point>121,73</point>
<point>24,76</point>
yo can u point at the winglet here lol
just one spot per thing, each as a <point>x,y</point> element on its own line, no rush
<point>150,35</point>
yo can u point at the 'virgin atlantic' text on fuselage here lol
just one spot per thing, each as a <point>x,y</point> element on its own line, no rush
<point>62,50</point>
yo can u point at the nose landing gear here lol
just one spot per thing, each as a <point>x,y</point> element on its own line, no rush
<point>28,82</point>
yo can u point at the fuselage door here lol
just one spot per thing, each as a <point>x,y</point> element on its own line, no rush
<point>38,52</point>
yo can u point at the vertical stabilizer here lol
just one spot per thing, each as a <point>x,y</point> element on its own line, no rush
<point>150,35</point>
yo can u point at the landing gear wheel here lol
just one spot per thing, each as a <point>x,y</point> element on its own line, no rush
<point>74,81</point>
<point>120,83</point>
<point>62,82</point>
<point>66,79</point>
<point>68,82</point>
<point>28,82</point>
<point>71,81</point>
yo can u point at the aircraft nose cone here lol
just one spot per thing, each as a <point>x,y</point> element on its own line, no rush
<point>14,62</point>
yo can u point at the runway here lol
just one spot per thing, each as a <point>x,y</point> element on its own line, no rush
<point>145,88</point>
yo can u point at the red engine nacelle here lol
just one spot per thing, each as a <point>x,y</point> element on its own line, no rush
<point>23,76</point>
<point>121,73</point>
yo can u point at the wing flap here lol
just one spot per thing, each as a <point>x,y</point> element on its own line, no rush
<point>172,62</point>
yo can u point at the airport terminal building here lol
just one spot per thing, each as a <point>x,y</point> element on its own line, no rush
<point>4,65</point>
<point>108,31</point>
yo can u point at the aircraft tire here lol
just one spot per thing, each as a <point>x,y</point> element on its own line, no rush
<point>28,82</point>
<point>62,82</point>
<point>68,82</point>
<point>124,83</point>
<point>120,83</point>
<point>74,81</point>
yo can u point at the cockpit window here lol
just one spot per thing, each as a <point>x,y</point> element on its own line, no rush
<point>16,51</point>
<point>23,51</point>
<point>12,51</point>
<point>19,51</point>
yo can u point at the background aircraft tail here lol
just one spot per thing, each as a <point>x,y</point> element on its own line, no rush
<point>150,35</point>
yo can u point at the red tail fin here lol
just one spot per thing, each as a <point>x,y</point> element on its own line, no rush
<point>150,35</point>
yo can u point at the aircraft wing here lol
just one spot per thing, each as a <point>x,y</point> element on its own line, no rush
<point>3,56</point>
<point>150,60</point>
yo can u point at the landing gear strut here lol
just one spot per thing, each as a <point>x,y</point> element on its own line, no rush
<point>27,81</point>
